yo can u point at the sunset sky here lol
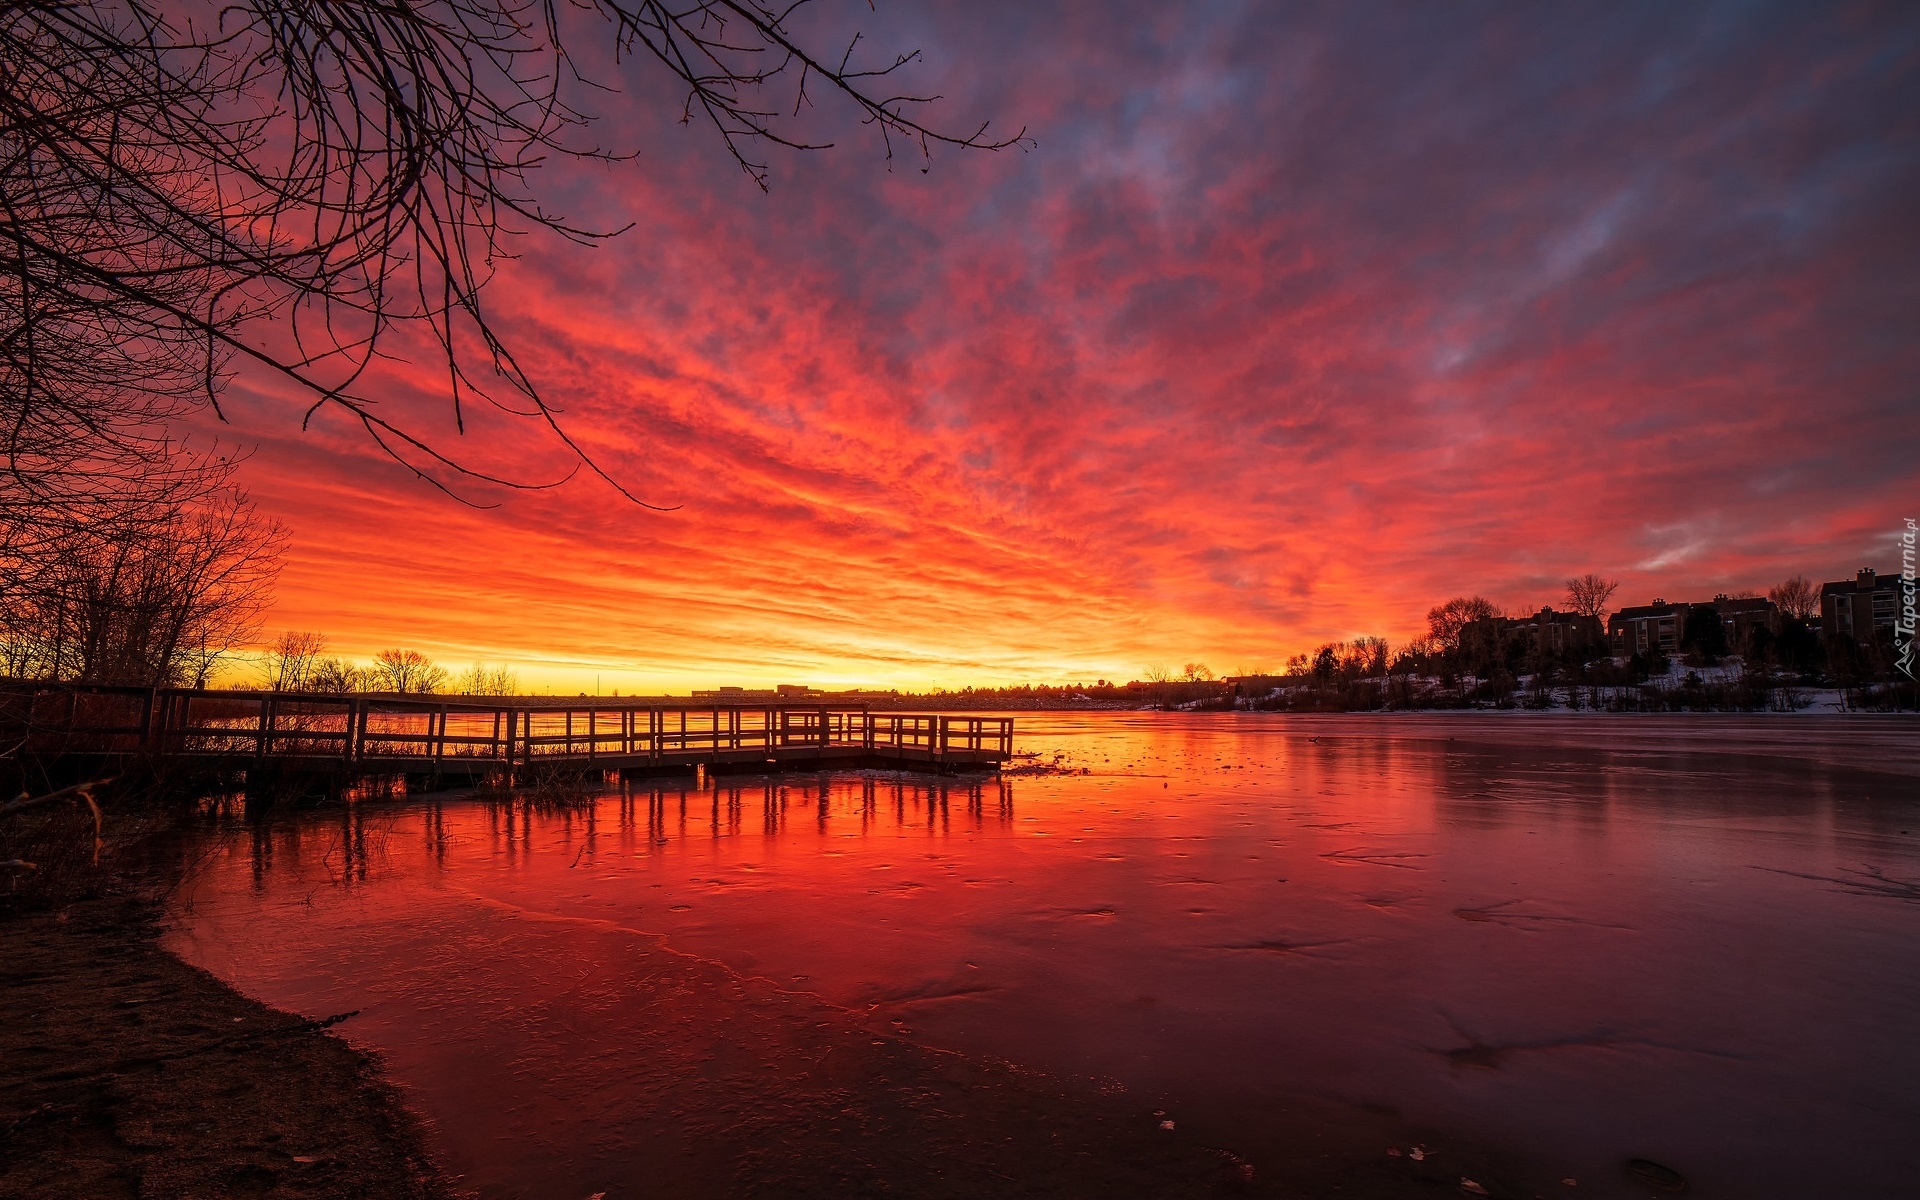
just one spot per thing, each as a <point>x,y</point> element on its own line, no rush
<point>1298,320</point>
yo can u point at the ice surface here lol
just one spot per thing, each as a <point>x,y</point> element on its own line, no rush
<point>1582,939</point>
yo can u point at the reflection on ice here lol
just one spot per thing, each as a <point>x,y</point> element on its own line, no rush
<point>1584,949</point>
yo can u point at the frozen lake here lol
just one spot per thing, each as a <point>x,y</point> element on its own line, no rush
<point>1570,941</point>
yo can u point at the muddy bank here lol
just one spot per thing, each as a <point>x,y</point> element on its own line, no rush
<point>131,1074</point>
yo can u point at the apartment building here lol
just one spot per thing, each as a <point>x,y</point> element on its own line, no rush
<point>1647,629</point>
<point>1858,609</point>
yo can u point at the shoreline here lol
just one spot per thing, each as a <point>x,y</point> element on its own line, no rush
<point>133,1073</point>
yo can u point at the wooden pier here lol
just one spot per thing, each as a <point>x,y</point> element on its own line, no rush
<point>456,738</point>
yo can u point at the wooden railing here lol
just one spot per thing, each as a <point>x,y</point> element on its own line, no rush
<point>376,729</point>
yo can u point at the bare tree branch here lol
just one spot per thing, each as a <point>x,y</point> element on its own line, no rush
<point>303,184</point>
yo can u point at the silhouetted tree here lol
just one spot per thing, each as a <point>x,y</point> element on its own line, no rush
<point>1368,656</point>
<point>1797,597</point>
<point>482,680</point>
<point>337,675</point>
<point>1798,647</point>
<point>1445,621</point>
<point>407,671</point>
<point>154,596</point>
<point>1703,634</point>
<point>290,662</point>
<point>1588,594</point>
<point>1326,661</point>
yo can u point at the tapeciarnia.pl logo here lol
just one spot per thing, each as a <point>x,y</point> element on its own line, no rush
<point>1903,628</point>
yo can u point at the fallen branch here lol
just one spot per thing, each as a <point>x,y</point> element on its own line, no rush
<point>23,801</point>
<point>81,791</point>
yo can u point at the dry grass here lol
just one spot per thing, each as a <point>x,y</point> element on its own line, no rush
<point>545,785</point>
<point>74,844</point>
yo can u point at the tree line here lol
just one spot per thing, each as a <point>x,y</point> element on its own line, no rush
<point>154,592</point>
<point>299,662</point>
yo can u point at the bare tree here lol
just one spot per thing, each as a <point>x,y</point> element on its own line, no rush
<point>307,186</point>
<point>338,676</point>
<point>1196,672</point>
<point>482,680</point>
<point>1370,656</point>
<point>290,661</point>
<point>1326,661</point>
<point>155,596</point>
<point>1588,594</point>
<point>1798,597</point>
<point>1445,621</point>
<point>407,671</point>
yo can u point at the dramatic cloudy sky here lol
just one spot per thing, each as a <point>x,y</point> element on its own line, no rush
<point>1300,319</point>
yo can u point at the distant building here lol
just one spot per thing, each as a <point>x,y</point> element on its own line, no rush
<point>1740,616</point>
<point>735,695</point>
<point>1647,629</point>
<point>1857,609</point>
<point>1547,631</point>
<point>1560,632</point>
<point>1658,628</point>
<point>739,695</point>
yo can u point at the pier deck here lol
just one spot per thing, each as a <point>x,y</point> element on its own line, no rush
<point>472,737</point>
